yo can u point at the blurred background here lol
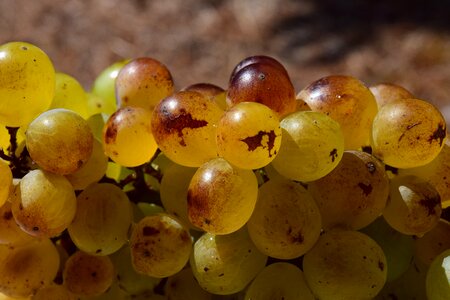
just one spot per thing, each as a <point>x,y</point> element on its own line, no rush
<point>400,41</point>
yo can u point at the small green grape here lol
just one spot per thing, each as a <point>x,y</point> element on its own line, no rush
<point>438,277</point>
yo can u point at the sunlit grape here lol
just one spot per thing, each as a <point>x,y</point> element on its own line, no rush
<point>438,277</point>
<point>183,286</point>
<point>388,92</point>
<point>257,59</point>
<point>69,94</point>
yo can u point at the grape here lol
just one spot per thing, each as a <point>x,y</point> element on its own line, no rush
<point>44,204</point>
<point>286,221</point>
<point>279,281</point>
<point>354,194</point>
<point>160,246</point>
<point>70,94</point>
<point>97,105</point>
<point>184,126</point>
<point>10,232</point>
<point>414,206</point>
<point>54,292</point>
<point>221,198</point>
<point>102,219</point>
<point>26,268</point>
<point>348,101</point>
<point>225,264</point>
<point>438,277</point>
<point>27,83</point>
<point>249,135</point>
<point>311,147</point>
<point>345,265</point>
<point>127,137</point>
<point>143,82</point>
<point>213,92</point>
<point>302,105</point>
<point>257,59</point>
<point>59,141</point>
<point>397,247</point>
<point>183,286</point>
<point>408,133</point>
<point>432,243</point>
<point>5,181</point>
<point>388,92</point>
<point>88,275</point>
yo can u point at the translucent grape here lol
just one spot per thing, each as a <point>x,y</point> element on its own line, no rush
<point>10,232</point>
<point>160,246</point>
<point>279,281</point>
<point>414,206</point>
<point>225,264</point>
<point>249,135</point>
<point>432,243</point>
<point>44,204</point>
<point>286,222</point>
<point>54,292</point>
<point>221,198</point>
<point>5,181</point>
<point>212,92</point>
<point>184,126</point>
<point>348,101</point>
<point>345,265</point>
<point>102,220</point>
<point>438,277</point>
<point>97,105</point>
<point>88,275</point>
<point>59,141</point>
<point>388,92</point>
<point>408,133</point>
<point>27,83</point>
<point>311,147</point>
<point>143,82</point>
<point>26,268</point>
<point>183,286</point>
<point>354,194</point>
<point>69,94</point>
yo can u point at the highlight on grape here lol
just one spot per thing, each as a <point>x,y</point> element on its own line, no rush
<point>136,189</point>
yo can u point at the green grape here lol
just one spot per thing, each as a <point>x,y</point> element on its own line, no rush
<point>10,232</point>
<point>414,206</point>
<point>69,94</point>
<point>59,141</point>
<point>96,123</point>
<point>174,190</point>
<point>345,264</point>
<point>212,92</point>
<point>127,137</point>
<point>26,268</point>
<point>92,171</point>
<point>105,86</point>
<point>6,179</point>
<point>354,194</point>
<point>162,163</point>
<point>27,83</point>
<point>54,292</point>
<point>160,246</point>
<point>148,209</point>
<point>432,243</point>
<point>113,170</point>
<point>102,219</point>
<point>438,277</point>
<point>184,126</point>
<point>398,248</point>
<point>408,133</point>
<point>388,92</point>
<point>44,204</point>
<point>98,105</point>
<point>279,281</point>
<point>348,101</point>
<point>249,135</point>
<point>183,286</point>
<point>311,147</point>
<point>221,197</point>
<point>226,264</point>
<point>88,275</point>
<point>286,222</point>
<point>143,82</point>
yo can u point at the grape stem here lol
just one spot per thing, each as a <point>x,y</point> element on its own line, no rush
<point>18,163</point>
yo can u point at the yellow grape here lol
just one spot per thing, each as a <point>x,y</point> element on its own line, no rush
<point>279,281</point>
<point>59,141</point>
<point>438,277</point>
<point>388,92</point>
<point>225,264</point>
<point>44,204</point>
<point>26,268</point>
<point>311,147</point>
<point>6,181</point>
<point>432,243</point>
<point>27,83</point>
<point>97,105</point>
<point>127,137</point>
<point>10,232</point>
<point>88,275</point>
<point>408,133</point>
<point>345,265</point>
<point>213,92</point>
<point>69,94</point>
<point>54,292</point>
<point>286,222</point>
<point>221,197</point>
<point>249,135</point>
<point>183,286</point>
<point>102,219</point>
<point>184,126</point>
<point>160,246</point>
<point>354,194</point>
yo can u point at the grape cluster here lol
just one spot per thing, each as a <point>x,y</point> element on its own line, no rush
<point>137,190</point>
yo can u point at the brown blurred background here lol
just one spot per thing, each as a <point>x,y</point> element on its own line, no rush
<point>401,41</point>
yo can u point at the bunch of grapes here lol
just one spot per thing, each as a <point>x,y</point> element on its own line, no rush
<point>137,190</point>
